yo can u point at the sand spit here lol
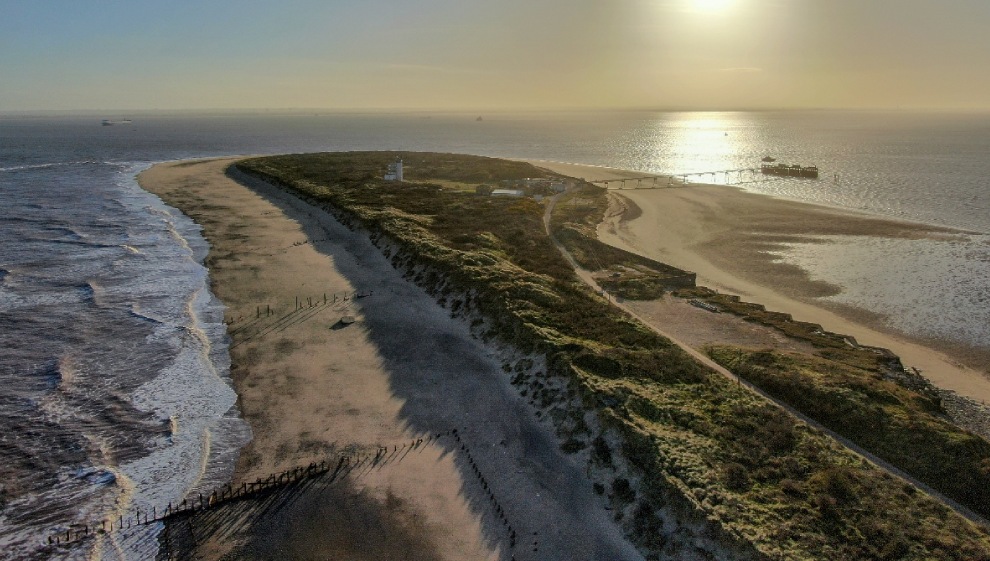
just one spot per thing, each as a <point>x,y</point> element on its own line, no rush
<point>723,234</point>
<point>311,386</point>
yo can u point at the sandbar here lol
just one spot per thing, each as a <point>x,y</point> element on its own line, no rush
<point>723,233</point>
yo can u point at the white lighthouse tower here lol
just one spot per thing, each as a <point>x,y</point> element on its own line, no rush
<point>394,171</point>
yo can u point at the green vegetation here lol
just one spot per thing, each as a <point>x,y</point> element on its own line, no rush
<point>896,424</point>
<point>727,462</point>
<point>863,394</point>
<point>832,346</point>
<point>574,224</point>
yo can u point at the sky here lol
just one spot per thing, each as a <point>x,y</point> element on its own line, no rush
<point>494,54</point>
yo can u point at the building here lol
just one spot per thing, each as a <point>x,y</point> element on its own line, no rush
<point>557,187</point>
<point>394,171</point>
<point>508,193</point>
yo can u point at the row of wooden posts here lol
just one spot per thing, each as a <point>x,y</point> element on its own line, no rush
<point>499,511</point>
<point>262,327</point>
<point>230,493</point>
<point>306,302</point>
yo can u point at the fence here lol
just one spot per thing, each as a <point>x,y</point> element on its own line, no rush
<point>305,308</point>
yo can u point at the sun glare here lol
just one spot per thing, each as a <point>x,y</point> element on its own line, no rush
<point>711,5</point>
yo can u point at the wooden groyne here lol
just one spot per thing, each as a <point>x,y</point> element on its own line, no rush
<point>330,469</point>
<point>267,493</point>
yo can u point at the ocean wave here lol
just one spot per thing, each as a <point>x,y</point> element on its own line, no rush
<point>27,167</point>
<point>136,408</point>
<point>69,232</point>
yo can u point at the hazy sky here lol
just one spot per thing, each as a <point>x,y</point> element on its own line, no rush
<point>698,54</point>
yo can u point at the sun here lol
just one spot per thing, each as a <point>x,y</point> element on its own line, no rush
<point>711,5</point>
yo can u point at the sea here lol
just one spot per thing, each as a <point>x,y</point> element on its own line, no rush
<point>115,396</point>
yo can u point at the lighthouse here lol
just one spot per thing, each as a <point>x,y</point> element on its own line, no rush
<point>394,171</point>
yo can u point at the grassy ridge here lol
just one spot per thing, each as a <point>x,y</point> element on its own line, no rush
<point>896,424</point>
<point>706,449</point>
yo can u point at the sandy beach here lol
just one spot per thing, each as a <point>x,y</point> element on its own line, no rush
<point>310,385</point>
<point>723,234</point>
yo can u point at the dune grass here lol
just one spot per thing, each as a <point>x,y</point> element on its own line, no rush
<point>901,426</point>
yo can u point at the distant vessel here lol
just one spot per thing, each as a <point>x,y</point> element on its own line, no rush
<point>479,119</point>
<point>109,123</point>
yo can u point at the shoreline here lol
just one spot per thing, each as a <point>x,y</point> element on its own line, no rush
<point>404,369</point>
<point>729,255</point>
<point>259,256</point>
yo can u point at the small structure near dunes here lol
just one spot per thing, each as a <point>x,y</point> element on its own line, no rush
<point>508,193</point>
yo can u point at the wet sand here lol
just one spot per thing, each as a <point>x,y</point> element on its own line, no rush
<point>311,386</point>
<point>724,233</point>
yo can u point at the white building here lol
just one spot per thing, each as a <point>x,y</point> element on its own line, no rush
<point>507,193</point>
<point>394,171</point>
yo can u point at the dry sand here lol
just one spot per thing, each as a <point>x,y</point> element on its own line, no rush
<point>310,386</point>
<point>723,233</point>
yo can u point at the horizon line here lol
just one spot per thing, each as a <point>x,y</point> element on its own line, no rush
<point>480,110</point>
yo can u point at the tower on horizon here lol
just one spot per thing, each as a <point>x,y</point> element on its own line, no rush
<point>394,171</point>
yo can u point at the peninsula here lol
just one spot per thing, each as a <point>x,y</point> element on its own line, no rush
<point>599,437</point>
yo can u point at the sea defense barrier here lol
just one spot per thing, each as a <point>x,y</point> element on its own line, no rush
<point>326,472</point>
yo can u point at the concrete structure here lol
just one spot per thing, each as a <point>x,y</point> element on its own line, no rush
<point>394,171</point>
<point>507,193</point>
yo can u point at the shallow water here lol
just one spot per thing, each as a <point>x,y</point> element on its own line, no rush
<point>113,388</point>
<point>934,288</point>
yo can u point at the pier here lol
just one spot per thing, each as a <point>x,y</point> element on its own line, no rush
<point>657,182</point>
<point>740,175</point>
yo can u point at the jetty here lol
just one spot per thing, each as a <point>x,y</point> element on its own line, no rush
<point>729,176</point>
